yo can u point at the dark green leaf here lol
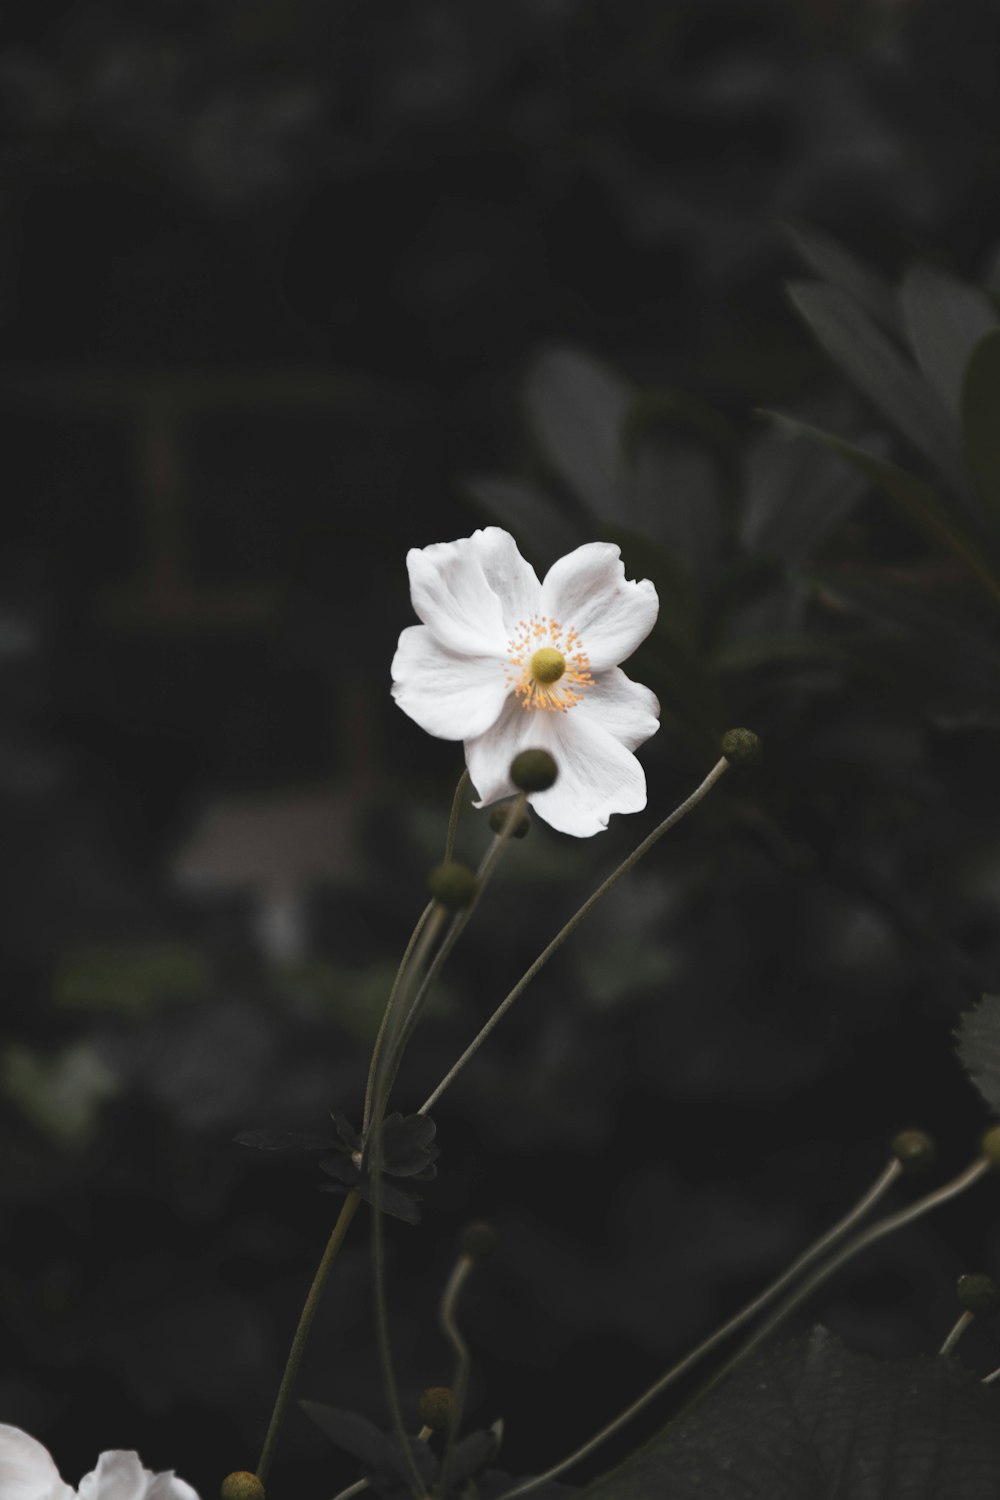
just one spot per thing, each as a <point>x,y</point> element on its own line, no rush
<point>915,499</point>
<point>945,320</point>
<point>979,1048</point>
<point>878,369</point>
<point>981,422</point>
<point>838,266</point>
<point>811,1419</point>
<point>793,498</point>
<point>577,409</point>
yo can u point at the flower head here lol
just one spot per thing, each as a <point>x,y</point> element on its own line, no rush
<point>507,663</point>
<point>28,1472</point>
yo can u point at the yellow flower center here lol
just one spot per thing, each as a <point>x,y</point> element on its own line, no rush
<point>547,665</point>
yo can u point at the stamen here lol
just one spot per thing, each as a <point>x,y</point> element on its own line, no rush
<point>548,667</point>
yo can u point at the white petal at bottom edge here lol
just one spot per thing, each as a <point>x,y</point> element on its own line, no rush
<point>450,696</point>
<point>120,1476</point>
<point>597,775</point>
<point>27,1469</point>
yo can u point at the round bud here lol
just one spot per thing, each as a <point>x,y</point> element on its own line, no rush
<point>533,771</point>
<point>979,1294</point>
<point>453,884</point>
<point>742,748</point>
<point>435,1407</point>
<point>499,816</point>
<point>242,1486</point>
<point>478,1241</point>
<point>913,1149</point>
<point>990,1145</point>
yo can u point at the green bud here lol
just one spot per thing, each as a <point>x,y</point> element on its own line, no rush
<point>979,1294</point>
<point>990,1145</point>
<point>242,1486</point>
<point>742,748</point>
<point>913,1149</point>
<point>453,884</point>
<point>499,816</point>
<point>478,1241</point>
<point>435,1407</point>
<point>533,771</point>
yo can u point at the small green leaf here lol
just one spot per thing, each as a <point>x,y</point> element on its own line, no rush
<point>915,499</point>
<point>809,1418</point>
<point>577,408</point>
<point>945,320</point>
<point>978,1039</point>
<point>981,422</point>
<point>878,369</point>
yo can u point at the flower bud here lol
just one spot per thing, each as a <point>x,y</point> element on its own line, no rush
<point>742,748</point>
<point>242,1486</point>
<point>453,884</point>
<point>435,1407</point>
<point>499,816</point>
<point>533,771</point>
<point>979,1294</point>
<point>913,1149</point>
<point>990,1145</point>
<point>478,1241</point>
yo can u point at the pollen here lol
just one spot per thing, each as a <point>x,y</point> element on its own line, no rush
<point>547,666</point>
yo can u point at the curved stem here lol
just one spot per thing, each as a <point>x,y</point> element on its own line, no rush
<point>633,859</point>
<point>843,1226</point>
<point>387,1013</point>
<point>460,1382</point>
<point>347,1212</point>
<point>456,808</point>
<point>960,1325</point>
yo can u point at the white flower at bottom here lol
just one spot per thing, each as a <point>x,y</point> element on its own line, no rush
<point>507,663</point>
<point>28,1472</point>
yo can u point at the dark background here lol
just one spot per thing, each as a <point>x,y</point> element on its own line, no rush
<point>275,279</point>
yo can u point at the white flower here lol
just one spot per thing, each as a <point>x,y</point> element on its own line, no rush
<point>506,663</point>
<point>28,1472</point>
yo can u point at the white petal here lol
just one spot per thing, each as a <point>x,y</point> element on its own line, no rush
<point>598,776</point>
<point>472,592</point>
<point>451,696</point>
<point>118,1476</point>
<point>624,708</point>
<point>27,1469</point>
<point>587,591</point>
<point>168,1487</point>
<point>488,756</point>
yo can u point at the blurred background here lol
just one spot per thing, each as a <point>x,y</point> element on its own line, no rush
<point>288,287</point>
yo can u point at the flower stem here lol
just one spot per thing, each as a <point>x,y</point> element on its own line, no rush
<point>961,1324</point>
<point>347,1212</point>
<point>633,859</point>
<point>843,1226</point>
<point>460,1381</point>
<point>386,1014</point>
<point>456,808</point>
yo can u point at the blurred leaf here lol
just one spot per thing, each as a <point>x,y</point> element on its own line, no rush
<point>830,260</point>
<point>793,498</point>
<point>131,979</point>
<point>978,1039</point>
<point>981,422</point>
<point>775,650</point>
<point>945,320</point>
<point>872,362</point>
<point>283,1140</point>
<point>810,1418</point>
<point>62,1094</point>
<point>577,408</point>
<point>916,500</point>
<point>528,512</point>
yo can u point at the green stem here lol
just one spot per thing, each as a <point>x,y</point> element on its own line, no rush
<point>633,859</point>
<point>388,1014</point>
<point>863,1206</point>
<point>460,1381</point>
<point>347,1212</point>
